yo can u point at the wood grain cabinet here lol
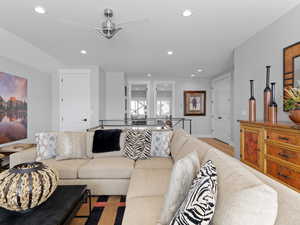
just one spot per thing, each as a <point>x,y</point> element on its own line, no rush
<point>273,149</point>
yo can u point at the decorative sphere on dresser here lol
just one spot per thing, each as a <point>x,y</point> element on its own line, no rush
<point>26,186</point>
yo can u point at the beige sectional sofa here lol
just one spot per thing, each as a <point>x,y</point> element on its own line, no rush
<point>145,183</point>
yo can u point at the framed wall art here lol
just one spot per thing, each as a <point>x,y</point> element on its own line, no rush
<point>194,103</point>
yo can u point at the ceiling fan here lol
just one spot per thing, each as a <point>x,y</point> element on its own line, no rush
<point>108,28</point>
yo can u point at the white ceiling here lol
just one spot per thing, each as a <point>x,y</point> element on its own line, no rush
<point>206,39</point>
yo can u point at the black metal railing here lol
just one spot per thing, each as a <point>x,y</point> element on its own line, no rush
<point>160,123</point>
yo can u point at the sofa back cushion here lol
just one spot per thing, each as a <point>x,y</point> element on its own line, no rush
<point>178,139</point>
<point>243,199</point>
<point>71,145</point>
<point>193,144</point>
<point>288,200</point>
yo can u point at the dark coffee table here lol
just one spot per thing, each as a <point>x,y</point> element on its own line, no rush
<point>59,209</point>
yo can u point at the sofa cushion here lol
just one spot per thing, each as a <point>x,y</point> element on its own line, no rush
<point>138,144</point>
<point>154,163</point>
<point>67,169</point>
<point>148,182</point>
<point>178,139</point>
<point>106,140</point>
<point>183,173</point>
<point>143,210</point>
<point>107,168</point>
<point>193,144</point>
<point>71,145</point>
<point>243,199</point>
<point>160,143</point>
<point>89,142</point>
<point>199,204</point>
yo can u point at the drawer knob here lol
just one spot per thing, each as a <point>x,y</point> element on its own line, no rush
<point>283,176</point>
<point>283,138</point>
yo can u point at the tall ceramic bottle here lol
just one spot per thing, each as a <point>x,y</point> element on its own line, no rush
<point>252,103</point>
<point>267,95</point>
<point>273,106</point>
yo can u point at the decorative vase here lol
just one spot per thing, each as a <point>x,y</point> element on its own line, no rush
<point>252,103</point>
<point>26,186</point>
<point>273,106</point>
<point>295,115</point>
<point>267,95</point>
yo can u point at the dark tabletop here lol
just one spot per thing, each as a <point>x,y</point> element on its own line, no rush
<point>52,212</point>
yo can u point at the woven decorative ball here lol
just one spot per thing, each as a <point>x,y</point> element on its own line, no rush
<point>26,186</point>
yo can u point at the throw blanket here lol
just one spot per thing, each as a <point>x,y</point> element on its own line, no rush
<point>138,144</point>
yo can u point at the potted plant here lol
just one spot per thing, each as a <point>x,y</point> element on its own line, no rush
<point>292,103</point>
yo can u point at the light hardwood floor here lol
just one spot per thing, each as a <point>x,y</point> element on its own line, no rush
<point>226,148</point>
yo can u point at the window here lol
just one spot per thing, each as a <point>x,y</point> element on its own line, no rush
<point>138,104</point>
<point>164,99</point>
<point>138,108</point>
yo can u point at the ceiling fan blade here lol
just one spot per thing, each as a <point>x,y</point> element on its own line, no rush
<point>145,20</point>
<point>75,24</point>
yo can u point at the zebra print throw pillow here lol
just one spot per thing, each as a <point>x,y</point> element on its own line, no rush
<point>137,144</point>
<point>199,206</point>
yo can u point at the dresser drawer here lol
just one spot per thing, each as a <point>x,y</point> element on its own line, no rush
<point>283,137</point>
<point>284,154</point>
<point>284,174</point>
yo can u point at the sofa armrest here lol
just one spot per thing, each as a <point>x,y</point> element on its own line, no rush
<point>28,155</point>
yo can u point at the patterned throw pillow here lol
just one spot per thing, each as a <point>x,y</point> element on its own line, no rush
<point>160,144</point>
<point>137,144</point>
<point>199,205</point>
<point>46,146</point>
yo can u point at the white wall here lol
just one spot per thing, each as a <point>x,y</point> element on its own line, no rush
<point>39,96</point>
<point>250,59</point>
<point>94,96</point>
<point>114,95</point>
<point>201,125</point>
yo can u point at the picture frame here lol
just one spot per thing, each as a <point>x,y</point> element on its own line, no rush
<point>194,103</point>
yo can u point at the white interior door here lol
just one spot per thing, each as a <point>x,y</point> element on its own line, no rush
<point>221,108</point>
<point>74,100</point>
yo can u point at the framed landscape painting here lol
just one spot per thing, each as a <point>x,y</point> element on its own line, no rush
<point>13,108</point>
<point>194,103</point>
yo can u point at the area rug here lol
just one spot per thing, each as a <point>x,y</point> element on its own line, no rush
<point>106,210</point>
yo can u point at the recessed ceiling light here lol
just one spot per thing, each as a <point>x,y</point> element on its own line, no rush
<point>170,52</point>
<point>40,9</point>
<point>83,52</point>
<point>200,70</point>
<point>193,75</point>
<point>149,75</point>
<point>187,12</point>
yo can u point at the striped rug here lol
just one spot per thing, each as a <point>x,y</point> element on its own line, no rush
<point>106,210</point>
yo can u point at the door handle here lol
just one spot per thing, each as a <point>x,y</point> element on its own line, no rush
<point>219,117</point>
<point>84,120</point>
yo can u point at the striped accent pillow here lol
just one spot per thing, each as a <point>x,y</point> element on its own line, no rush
<point>138,144</point>
<point>199,205</point>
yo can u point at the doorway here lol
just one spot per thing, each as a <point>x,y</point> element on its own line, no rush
<point>221,108</point>
<point>74,100</point>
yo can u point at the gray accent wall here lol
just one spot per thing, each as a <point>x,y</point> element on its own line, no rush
<point>250,59</point>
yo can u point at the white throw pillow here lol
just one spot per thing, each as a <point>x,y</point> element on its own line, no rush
<point>183,173</point>
<point>46,144</point>
<point>71,145</point>
<point>160,143</point>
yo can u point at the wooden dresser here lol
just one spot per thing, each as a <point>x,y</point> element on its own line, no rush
<point>273,149</point>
